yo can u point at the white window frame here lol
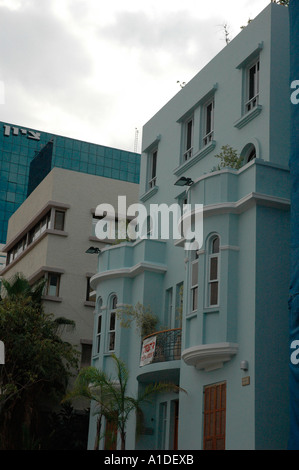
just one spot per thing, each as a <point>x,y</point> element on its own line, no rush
<point>98,327</point>
<point>57,286</point>
<point>194,285</point>
<point>208,133</point>
<point>252,99</point>
<point>163,425</point>
<point>152,168</point>
<point>188,139</point>
<point>111,332</point>
<point>169,307</point>
<point>216,281</point>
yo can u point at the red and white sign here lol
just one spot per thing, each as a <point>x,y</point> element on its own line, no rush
<point>148,350</point>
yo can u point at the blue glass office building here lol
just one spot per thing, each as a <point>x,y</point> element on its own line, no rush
<point>27,156</point>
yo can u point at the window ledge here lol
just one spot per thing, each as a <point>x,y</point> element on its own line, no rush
<point>209,356</point>
<point>248,117</point>
<point>149,193</point>
<point>53,231</point>
<point>196,158</point>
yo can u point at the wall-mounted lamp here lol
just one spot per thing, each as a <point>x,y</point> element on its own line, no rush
<point>183,181</point>
<point>244,365</point>
<point>92,250</point>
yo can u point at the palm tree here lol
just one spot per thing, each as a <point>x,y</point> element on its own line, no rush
<point>111,396</point>
<point>18,286</point>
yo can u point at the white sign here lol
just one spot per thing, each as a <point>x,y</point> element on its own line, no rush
<point>148,350</point>
<point>15,131</point>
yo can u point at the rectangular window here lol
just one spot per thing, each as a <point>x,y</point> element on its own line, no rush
<point>213,280</point>
<point>152,175</point>
<point>53,285</point>
<point>252,92</point>
<point>88,290</point>
<point>188,140</point>
<point>194,285</point>
<point>162,425</point>
<point>59,220</point>
<point>168,308</point>
<point>179,305</point>
<point>208,131</point>
<point>99,333</point>
<point>86,354</point>
<point>111,332</point>
<point>214,417</point>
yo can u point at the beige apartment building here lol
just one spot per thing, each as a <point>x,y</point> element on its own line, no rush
<point>48,236</point>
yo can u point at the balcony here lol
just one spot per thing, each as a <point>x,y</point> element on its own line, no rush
<point>160,357</point>
<point>161,346</point>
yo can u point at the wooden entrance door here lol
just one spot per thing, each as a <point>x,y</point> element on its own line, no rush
<point>214,417</point>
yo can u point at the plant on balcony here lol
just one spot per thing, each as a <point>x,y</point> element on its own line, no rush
<point>145,321</point>
<point>229,158</point>
<point>110,396</point>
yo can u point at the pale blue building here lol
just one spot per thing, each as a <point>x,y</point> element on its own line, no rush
<point>225,339</point>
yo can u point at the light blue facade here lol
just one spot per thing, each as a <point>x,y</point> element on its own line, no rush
<point>232,338</point>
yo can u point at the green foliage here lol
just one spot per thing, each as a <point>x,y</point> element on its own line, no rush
<point>38,362</point>
<point>110,395</point>
<point>68,429</point>
<point>19,287</point>
<point>229,158</point>
<point>145,321</point>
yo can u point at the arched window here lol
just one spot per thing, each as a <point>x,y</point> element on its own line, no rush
<point>112,323</point>
<point>248,153</point>
<point>213,270</point>
<point>99,325</point>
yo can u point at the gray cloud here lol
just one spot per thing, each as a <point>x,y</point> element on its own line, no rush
<point>177,35</point>
<point>37,51</point>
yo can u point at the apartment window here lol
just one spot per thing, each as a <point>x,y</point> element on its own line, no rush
<point>188,139</point>
<point>208,115</point>
<point>36,231</point>
<point>252,92</point>
<point>162,425</point>
<point>59,220</point>
<point>179,297</point>
<point>213,271</point>
<point>194,283</point>
<point>86,349</point>
<point>152,168</point>
<point>112,323</point>
<point>168,307</point>
<point>53,284</point>
<point>113,228</point>
<point>88,289</point>
<point>99,332</point>
<point>214,416</point>
<point>39,228</point>
<point>248,153</point>
<point>99,326</point>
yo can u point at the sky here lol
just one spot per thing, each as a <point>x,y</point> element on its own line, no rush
<point>98,71</point>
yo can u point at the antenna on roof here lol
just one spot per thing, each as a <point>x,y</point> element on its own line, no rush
<point>136,140</point>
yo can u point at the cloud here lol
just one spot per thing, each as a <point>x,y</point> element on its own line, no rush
<point>178,37</point>
<point>37,51</point>
<point>93,71</point>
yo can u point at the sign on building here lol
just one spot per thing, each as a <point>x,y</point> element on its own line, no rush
<point>148,350</point>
